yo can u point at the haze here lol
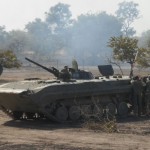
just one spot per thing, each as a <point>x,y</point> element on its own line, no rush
<point>15,14</point>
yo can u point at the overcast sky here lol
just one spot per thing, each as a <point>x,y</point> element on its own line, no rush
<point>15,14</point>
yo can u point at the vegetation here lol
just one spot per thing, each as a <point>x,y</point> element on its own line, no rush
<point>108,126</point>
<point>60,37</point>
<point>8,59</point>
<point>125,49</point>
<point>127,13</point>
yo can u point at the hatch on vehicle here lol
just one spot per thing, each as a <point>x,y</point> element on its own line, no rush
<point>81,74</point>
<point>106,70</point>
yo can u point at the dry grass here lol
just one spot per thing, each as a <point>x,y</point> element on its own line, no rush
<point>104,125</point>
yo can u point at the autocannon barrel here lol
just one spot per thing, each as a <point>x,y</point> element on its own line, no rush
<point>52,70</point>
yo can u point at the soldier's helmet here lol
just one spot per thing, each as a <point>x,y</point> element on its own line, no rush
<point>136,78</point>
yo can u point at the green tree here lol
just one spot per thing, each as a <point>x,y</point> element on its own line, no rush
<point>8,59</point>
<point>127,13</point>
<point>125,49</point>
<point>144,57</point>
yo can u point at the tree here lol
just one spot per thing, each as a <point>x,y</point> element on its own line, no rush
<point>125,49</point>
<point>8,59</point>
<point>3,37</point>
<point>59,17</point>
<point>17,41</point>
<point>144,57</point>
<point>144,40</point>
<point>39,29</point>
<point>127,13</point>
<point>90,35</point>
<point>59,20</point>
<point>41,36</point>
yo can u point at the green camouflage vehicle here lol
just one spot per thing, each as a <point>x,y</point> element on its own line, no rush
<point>65,99</point>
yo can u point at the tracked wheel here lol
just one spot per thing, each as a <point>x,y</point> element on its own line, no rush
<point>74,113</point>
<point>17,115</point>
<point>30,115</point>
<point>40,115</point>
<point>98,111</point>
<point>123,109</point>
<point>61,114</point>
<point>111,110</point>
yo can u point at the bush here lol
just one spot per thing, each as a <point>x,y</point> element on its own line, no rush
<point>8,59</point>
<point>104,125</point>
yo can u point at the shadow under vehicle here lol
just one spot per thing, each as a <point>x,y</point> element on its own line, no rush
<point>67,99</point>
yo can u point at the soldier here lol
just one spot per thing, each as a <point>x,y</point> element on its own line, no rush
<point>137,88</point>
<point>144,80</point>
<point>1,69</point>
<point>147,96</point>
<point>65,75</point>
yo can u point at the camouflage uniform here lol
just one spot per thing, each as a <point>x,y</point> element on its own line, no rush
<point>1,69</point>
<point>137,88</point>
<point>144,80</point>
<point>65,75</point>
<point>147,97</point>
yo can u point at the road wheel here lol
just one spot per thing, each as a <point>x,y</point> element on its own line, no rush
<point>30,115</point>
<point>123,109</point>
<point>61,113</point>
<point>98,111</point>
<point>74,113</point>
<point>17,115</point>
<point>111,110</point>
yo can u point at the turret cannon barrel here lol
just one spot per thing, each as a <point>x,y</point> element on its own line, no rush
<point>52,70</point>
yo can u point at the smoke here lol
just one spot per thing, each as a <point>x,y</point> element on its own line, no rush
<point>59,37</point>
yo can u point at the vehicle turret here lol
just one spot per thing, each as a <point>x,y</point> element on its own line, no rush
<point>73,73</point>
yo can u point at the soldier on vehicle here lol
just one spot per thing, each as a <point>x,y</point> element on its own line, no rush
<point>137,88</point>
<point>65,74</point>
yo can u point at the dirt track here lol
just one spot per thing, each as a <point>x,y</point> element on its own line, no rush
<point>133,133</point>
<point>16,135</point>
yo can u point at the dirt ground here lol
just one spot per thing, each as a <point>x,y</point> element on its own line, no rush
<point>132,133</point>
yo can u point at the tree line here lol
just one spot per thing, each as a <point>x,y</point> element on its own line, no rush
<point>90,38</point>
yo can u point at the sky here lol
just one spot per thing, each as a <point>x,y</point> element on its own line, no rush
<point>15,14</point>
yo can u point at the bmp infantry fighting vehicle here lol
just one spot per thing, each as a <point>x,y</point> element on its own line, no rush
<point>69,97</point>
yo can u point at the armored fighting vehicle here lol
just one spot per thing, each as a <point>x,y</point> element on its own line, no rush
<point>63,99</point>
